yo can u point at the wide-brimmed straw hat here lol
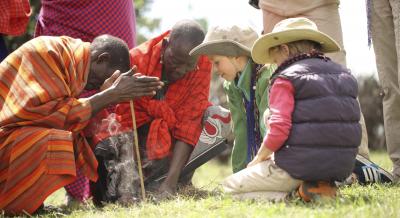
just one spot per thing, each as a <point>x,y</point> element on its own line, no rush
<point>290,30</point>
<point>232,41</point>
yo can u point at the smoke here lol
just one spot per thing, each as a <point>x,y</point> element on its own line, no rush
<point>123,182</point>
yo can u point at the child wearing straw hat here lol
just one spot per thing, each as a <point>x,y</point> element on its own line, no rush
<point>314,117</point>
<point>229,49</point>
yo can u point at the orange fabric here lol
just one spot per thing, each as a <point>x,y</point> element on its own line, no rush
<point>309,191</point>
<point>14,16</point>
<point>41,121</point>
<point>179,115</point>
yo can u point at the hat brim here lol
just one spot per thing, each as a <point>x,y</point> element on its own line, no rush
<point>260,50</point>
<point>221,47</point>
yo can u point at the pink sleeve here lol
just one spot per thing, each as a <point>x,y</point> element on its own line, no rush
<point>281,106</point>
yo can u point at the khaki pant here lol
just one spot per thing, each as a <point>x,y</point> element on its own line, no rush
<point>327,19</point>
<point>385,23</point>
<point>262,181</point>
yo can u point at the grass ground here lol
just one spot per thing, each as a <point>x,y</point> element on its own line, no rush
<point>354,201</point>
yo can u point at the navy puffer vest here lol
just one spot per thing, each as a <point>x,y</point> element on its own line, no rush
<point>325,133</point>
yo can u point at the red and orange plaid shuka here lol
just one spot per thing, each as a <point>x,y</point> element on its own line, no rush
<point>40,121</point>
<point>179,115</point>
<point>14,16</point>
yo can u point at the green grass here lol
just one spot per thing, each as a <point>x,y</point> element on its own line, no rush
<point>354,201</point>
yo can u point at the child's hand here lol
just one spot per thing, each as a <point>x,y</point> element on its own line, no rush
<point>257,159</point>
<point>262,155</point>
<point>253,162</point>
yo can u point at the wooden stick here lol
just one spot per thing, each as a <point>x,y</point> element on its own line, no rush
<point>137,150</point>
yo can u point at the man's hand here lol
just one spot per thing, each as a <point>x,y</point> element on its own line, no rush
<point>180,155</point>
<point>108,83</point>
<point>124,87</point>
<point>132,85</point>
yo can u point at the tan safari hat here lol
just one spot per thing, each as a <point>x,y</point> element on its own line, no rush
<point>227,41</point>
<point>290,30</point>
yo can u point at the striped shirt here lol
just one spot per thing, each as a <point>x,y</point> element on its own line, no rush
<point>41,120</point>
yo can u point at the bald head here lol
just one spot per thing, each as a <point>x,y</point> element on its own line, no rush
<point>186,34</point>
<point>115,47</point>
<point>107,54</point>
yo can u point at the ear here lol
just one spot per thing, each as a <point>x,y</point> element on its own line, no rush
<point>165,42</point>
<point>103,57</point>
<point>163,48</point>
<point>241,59</point>
<point>285,49</point>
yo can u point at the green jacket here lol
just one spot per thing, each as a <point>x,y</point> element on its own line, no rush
<point>235,90</point>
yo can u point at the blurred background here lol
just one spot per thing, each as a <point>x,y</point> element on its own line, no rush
<point>155,16</point>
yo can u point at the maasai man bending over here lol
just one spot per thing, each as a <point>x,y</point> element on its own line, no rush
<point>41,118</point>
<point>173,118</point>
<point>86,20</point>
<point>169,124</point>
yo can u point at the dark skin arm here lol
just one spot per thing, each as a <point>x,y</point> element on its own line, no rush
<point>124,87</point>
<point>180,156</point>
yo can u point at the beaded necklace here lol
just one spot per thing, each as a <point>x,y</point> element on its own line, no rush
<point>252,116</point>
<point>299,57</point>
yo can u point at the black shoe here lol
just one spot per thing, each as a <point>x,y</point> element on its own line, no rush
<point>368,172</point>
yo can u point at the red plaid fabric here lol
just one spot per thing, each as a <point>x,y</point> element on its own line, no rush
<point>79,189</point>
<point>87,19</point>
<point>179,115</point>
<point>14,16</point>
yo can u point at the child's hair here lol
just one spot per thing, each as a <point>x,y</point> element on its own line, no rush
<point>300,47</point>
